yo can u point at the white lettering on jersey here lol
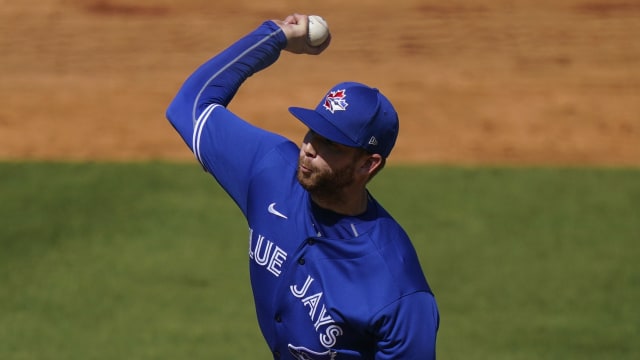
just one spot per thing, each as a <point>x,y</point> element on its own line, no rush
<point>323,318</point>
<point>330,335</point>
<point>312,302</point>
<point>300,293</point>
<point>265,253</point>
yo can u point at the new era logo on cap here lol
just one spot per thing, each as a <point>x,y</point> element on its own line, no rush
<point>356,115</point>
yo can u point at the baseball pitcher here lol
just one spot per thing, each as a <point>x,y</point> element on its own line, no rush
<point>334,276</point>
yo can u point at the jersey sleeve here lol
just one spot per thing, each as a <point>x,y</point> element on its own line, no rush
<point>225,145</point>
<point>407,328</point>
<point>217,81</point>
<point>231,149</point>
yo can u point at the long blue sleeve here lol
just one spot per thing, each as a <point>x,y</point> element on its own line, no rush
<point>218,80</point>
<point>226,146</point>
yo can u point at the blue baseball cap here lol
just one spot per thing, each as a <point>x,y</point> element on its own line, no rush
<point>355,115</point>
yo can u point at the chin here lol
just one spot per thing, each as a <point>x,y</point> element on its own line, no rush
<point>306,181</point>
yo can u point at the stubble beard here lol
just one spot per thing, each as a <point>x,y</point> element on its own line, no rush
<point>328,185</point>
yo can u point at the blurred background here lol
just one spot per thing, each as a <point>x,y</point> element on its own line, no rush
<point>516,172</point>
<point>500,81</point>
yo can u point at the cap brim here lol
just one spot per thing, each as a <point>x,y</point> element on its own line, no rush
<point>321,126</point>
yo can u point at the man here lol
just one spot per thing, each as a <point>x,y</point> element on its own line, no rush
<point>333,275</point>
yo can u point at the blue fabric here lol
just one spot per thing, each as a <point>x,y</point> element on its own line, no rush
<point>325,286</point>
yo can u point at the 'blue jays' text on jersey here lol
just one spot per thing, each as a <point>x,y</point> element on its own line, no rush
<point>325,286</point>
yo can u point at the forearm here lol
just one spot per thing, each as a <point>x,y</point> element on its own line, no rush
<point>218,79</point>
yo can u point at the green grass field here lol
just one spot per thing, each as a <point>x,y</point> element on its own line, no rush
<point>149,261</point>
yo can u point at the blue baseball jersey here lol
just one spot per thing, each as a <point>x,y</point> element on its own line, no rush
<point>325,286</point>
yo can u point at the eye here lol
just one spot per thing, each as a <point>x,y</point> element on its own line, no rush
<point>319,138</point>
<point>328,142</point>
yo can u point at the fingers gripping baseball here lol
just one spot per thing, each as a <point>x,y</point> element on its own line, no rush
<point>296,29</point>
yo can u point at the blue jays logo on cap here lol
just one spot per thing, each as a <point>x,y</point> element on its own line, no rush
<point>355,115</point>
<point>336,100</point>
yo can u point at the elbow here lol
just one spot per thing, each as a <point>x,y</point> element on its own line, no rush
<point>179,115</point>
<point>173,112</point>
<point>170,115</point>
<point>180,120</point>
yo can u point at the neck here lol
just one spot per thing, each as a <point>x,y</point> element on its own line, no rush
<point>350,203</point>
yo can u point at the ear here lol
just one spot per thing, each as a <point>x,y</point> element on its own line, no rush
<point>371,163</point>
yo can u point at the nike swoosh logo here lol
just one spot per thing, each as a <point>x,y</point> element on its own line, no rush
<point>272,210</point>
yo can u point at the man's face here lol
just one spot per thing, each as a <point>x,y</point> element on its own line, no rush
<point>325,167</point>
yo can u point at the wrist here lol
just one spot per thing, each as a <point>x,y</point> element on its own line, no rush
<point>278,33</point>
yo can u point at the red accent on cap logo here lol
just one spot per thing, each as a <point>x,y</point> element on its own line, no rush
<point>335,100</point>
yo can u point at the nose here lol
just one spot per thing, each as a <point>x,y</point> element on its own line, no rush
<point>307,145</point>
<point>308,150</point>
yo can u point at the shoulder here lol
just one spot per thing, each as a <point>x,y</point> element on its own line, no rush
<point>397,256</point>
<point>278,159</point>
<point>389,237</point>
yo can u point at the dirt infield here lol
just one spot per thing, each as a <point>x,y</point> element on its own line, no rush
<point>504,81</point>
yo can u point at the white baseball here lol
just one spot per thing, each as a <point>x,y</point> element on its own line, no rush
<point>318,30</point>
